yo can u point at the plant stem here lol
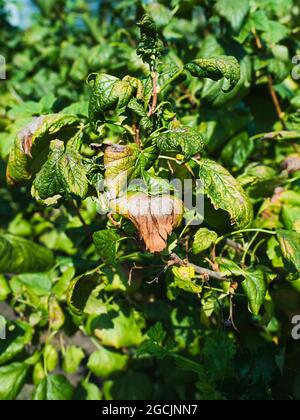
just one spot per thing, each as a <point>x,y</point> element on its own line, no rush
<point>155,93</point>
<point>200,270</point>
<point>276,100</point>
<point>269,232</point>
<point>281,135</point>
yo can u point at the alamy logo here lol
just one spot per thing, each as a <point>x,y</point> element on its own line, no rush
<point>2,328</point>
<point>296,329</point>
<point>2,68</point>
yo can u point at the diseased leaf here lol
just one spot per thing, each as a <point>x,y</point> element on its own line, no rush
<point>18,255</point>
<point>255,287</point>
<point>149,47</point>
<point>203,240</point>
<point>31,146</point>
<point>63,175</point>
<point>110,93</point>
<point>123,164</point>
<point>290,246</point>
<point>216,69</point>
<point>184,279</point>
<point>226,193</point>
<point>183,140</point>
<point>217,94</point>
<point>106,243</point>
<point>154,217</point>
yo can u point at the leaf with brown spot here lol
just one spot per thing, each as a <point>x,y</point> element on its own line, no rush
<point>31,146</point>
<point>154,217</point>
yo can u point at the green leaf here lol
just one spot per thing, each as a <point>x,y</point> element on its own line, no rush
<point>50,354</point>
<point>4,290</point>
<point>216,69</point>
<point>63,175</point>
<point>185,140</point>
<point>118,329</point>
<point>38,283</point>
<point>290,246</point>
<point>291,218</point>
<point>203,240</point>
<point>237,151</point>
<point>226,193</point>
<point>157,333</point>
<point>129,386</point>
<point>80,290</point>
<point>77,108</point>
<point>53,388</point>
<point>234,11</point>
<point>88,391</point>
<point>18,335</point>
<point>255,287</point>
<point>18,255</point>
<point>73,357</point>
<point>12,378</point>
<point>104,362</point>
<point>31,145</point>
<point>106,243</point>
<point>260,180</point>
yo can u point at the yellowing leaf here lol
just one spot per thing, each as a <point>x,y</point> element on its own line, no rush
<point>31,146</point>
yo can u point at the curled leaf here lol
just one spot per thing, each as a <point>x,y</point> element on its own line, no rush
<point>150,46</point>
<point>110,93</point>
<point>226,193</point>
<point>62,175</point>
<point>31,146</point>
<point>154,217</point>
<point>185,140</point>
<point>216,68</point>
<point>124,163</point>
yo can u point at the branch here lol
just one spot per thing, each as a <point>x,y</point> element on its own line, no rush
<point>276,100</point>
<point>155,93</point>
<point>175,260</point>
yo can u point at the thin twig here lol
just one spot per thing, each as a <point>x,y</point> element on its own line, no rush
<point>155,93</point>
<point>272,91</point>
<point>275,100</point>
<point>175,260</point>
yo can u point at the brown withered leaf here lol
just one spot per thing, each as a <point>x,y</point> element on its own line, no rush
<point>154,217</point>
<point>292,164</point>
